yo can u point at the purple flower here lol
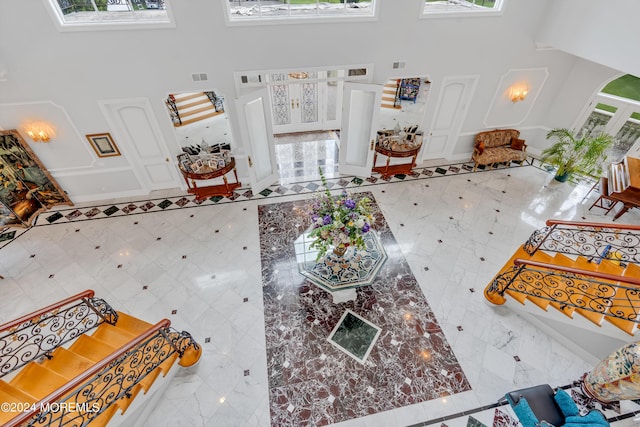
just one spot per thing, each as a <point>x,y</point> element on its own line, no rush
<point>349,203</point>
<point>365,228</point>
<point>327,220</point>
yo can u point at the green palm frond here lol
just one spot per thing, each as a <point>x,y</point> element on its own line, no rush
<point>569,154</point>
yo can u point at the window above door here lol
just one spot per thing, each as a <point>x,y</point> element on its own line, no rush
<point>93,15</point>
<point>261,12</point>
<point>458,8</point>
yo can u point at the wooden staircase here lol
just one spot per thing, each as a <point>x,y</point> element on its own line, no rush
<point>389,92</point>
<point>194,107</point>
<point>89,372</point>
<point>599,290</point>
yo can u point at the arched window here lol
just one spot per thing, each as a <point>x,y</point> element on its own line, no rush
<point>616,111</point>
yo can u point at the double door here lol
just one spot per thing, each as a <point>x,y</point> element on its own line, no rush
<point>304,101</point>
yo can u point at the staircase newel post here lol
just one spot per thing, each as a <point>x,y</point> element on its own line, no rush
<point>494,293</point>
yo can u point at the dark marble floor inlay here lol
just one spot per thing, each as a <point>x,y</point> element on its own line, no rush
<point>313,383</point>
<point>354,335</point>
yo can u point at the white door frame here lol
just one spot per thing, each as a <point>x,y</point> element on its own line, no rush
<point>449,126</point>
<point>361,108</point>
<point>128,147</point>
<point>254,120</point>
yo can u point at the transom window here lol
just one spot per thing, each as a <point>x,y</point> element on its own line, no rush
<point>461,7</point>
<point>265,10</point>
<point>101,14</point>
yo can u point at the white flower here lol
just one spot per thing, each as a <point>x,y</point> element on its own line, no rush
<point>359,222</point>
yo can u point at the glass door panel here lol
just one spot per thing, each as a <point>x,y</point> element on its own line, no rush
<point>598,119</point>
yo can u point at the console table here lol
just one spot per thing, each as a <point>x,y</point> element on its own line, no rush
<point>389,170</point>
<point>206,172</point>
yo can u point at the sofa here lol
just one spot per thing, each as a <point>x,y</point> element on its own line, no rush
<point>498,146</point>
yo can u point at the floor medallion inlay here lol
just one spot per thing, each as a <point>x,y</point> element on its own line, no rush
<point>311,381</point>
<point>354,335</point>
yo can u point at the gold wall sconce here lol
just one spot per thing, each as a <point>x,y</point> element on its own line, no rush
<point>39,132</point>
<point>518,92</point>
<point>300,75</point>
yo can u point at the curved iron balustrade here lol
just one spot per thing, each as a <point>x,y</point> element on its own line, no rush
<point>93,392</point>
<point>615,296</point>
<point>590,240</point>
<point>39,333</point>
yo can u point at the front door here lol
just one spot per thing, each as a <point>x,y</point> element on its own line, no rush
<point>296,103</point>
<point>450,113</point>
<point>254,117</point>
<point>361,107</point>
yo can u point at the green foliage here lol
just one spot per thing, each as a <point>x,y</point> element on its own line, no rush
<point>569,154</point>
<point>627,86</point>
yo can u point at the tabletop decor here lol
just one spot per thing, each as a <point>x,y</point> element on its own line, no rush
<point>339,221</point>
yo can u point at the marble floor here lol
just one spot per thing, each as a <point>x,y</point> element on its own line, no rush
<point>206,268</point>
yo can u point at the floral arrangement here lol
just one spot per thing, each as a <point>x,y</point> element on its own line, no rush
<point>339,221</point>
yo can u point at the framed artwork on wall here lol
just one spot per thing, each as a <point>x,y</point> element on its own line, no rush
<point>26,187</point>
<point>103,145</point>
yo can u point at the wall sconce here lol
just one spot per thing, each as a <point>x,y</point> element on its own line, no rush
<point>518,93</point>
<point>39,132</point>
<point>299,76</point>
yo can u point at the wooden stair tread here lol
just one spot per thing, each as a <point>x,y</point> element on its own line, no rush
<point>91,348</point>
<point>625,312</point>
<point>592,316</point>
<point>37,381</point>
<point>184,114</point>
<point>632,270</point>
<point>10,394</point>
<point>197,119</point>
<point>113,335</point>
<point>626,325</point>
<point>202,101</point>
<point>185,97</point>
<point>67,363</point>
<point>132,324</point>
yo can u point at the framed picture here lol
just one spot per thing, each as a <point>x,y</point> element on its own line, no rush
<point>103,145</point>
<point>26,187</point>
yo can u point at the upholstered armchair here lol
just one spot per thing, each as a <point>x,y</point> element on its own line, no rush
<point>540,406</point>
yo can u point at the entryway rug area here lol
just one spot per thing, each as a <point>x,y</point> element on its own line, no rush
<point>313,383</point>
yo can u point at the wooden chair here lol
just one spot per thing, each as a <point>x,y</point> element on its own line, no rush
<point>604,201</point>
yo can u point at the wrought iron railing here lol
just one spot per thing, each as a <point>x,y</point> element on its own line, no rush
<point>114,378</point>
<point>173,110</point>
<point>217,101</point>
<point>611,295</point>
<point>39,333</point>
<point>594,241</point>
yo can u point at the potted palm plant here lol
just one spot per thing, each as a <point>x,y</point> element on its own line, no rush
<point>570,154</point>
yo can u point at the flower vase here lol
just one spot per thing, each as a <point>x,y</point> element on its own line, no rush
<point>340,250</point>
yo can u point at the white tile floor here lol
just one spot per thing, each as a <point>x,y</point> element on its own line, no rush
<point>454,231</point>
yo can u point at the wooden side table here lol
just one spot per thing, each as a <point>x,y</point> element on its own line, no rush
<point>389,170</point>
<point>206,172</point>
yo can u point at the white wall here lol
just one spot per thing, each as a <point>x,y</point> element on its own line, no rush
<point>76,70</point>
<point>599,31</point>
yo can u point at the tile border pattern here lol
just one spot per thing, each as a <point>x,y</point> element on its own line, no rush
<point>102,211</point>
